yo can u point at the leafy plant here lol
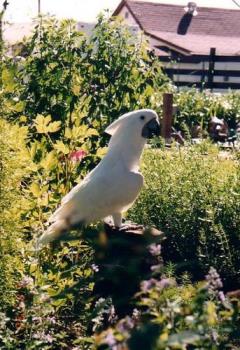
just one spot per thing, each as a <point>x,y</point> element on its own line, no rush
<point>174,316</point>
<point>197,108</point>
<point>55,102</point>
<point>193,196</point>
<point>13,168</point>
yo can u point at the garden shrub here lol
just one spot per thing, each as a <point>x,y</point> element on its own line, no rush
<point>63,93</point>
<point>170,316</point>
<point>198,107</point>
<point>65,90</point>
<point>192,194</point>
<point>66,75</point>
<point>13,169</point>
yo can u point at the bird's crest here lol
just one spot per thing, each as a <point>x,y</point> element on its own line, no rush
<point>112,128</point>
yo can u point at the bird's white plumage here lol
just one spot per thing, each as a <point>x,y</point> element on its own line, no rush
<point>110,188</point>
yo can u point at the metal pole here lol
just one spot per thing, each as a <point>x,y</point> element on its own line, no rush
<point>39,7</point>
<point>4,8</point>
<point>167,116</point>
<point>5,5</point>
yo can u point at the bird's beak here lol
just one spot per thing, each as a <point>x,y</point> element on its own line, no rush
<point>151,129</point>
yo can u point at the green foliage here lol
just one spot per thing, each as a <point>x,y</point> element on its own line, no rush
<point>13,160</point>
<point>64,91</point>
<point>180,317</point>
<point>193,196</point>
<point>68,76</point>
<point>119,73</point>
<point>197,108</point>
<point>63,94</point>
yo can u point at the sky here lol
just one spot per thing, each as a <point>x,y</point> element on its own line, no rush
<point>86,10</point>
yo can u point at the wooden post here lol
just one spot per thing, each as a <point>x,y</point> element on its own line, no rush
<point>211,67</point>
<point>167,116</point>
<point>123,260</point>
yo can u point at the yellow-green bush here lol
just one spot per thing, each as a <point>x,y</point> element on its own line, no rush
<point>198,107</point>
<point>13,167</point>
<point>193,196</point>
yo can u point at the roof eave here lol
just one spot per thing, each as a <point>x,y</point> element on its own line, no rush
<point>175,47</point>
<point>119,8</point>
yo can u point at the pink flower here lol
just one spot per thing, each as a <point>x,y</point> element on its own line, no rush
<point>77,156</point>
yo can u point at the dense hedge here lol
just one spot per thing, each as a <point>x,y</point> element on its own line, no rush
<point>193,196</point>
<point>13,168</point>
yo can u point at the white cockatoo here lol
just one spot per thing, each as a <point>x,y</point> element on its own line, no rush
<point>112,186</point>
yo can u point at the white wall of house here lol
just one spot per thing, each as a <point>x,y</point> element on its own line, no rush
<point>204,65</point>
<point>223,66</point>
<point>188,78</point>
<point>127,17</point>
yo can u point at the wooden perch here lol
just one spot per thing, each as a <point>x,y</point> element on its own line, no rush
<point>123,260</point>
<point>133,231</point>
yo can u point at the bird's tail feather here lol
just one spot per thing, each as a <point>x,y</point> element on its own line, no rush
<point>54,232</point>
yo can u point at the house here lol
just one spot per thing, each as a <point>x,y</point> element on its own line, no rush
<point>198,46</point>
<point>14,33</point>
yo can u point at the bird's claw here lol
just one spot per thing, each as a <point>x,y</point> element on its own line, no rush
<point>130,227</point>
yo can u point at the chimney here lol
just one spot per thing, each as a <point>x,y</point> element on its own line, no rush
<point>191,8</point>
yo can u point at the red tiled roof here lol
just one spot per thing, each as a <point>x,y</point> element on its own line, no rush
<point>212,27</point>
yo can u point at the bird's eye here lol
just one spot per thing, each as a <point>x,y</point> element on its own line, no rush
<point>142,117</point>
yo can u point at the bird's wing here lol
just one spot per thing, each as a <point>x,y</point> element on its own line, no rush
<point>99,196</point>
<point>80,186</point>
<point>69,203</point>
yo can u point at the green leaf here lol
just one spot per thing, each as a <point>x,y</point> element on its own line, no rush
<point>59,302</point>
<point>50,161</point>
<point>19,106</point>
<point>23,119</point>
<point>68,133</point>
<point>54,126</point>
<point>92,132</point>
<point>79,132</point>
<point>183,338</point>
<point>59,146</point>
<point>41,123</point>
<point>101,152</point>
<point>8,79</point>
<point>35,189</point>
<point>33,268</point>
<point>33,149</point>
<point>76,89</point>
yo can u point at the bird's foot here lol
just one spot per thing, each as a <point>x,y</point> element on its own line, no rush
<point>130,226</point>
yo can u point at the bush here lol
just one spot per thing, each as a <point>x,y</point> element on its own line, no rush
<point>69,76</point>
<point>175,316</point>
<point>193,196</point>
<point>65,91</point>
<point>13,169</point>
<point>197,108</point>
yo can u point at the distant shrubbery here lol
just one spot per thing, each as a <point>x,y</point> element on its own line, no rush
<point>193,196</point>
<point>68,76</point>
<point>197,108</point>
